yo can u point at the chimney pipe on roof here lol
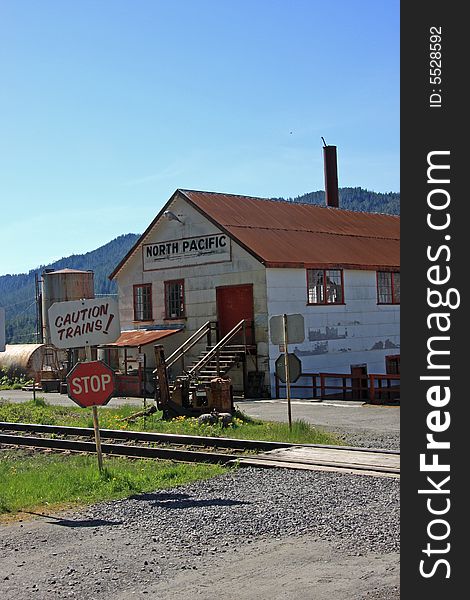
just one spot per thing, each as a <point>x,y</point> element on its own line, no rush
<point>331,175</point>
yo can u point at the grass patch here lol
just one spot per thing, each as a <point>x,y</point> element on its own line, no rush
<point>55,480</point>
<point>32,481</point>
<point>242,427</point>
<point>12,381</point>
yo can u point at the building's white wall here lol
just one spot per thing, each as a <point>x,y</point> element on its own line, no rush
<point>359,332</point>
<point>200,282</point>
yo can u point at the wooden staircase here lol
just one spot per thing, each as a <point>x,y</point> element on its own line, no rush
<point>217,359</point>
<point>218,364</point>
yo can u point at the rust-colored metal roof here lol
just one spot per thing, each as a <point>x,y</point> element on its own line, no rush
<point>141,337</point>
<point>283,234</point>
<point>288,234</point>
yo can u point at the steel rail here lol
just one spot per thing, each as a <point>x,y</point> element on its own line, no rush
<point>138,451</point>
<point>178,455</point>
<point>174,438</point>
<point>218,347</point>
<point>187,345</point>
<point>186,455</point>
<point>118,449</point>
<point>145,436</point>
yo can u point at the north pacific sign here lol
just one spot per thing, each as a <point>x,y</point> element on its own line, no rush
<point>186,252</point>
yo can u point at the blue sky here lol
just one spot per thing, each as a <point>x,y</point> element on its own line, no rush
<point>107,107</point>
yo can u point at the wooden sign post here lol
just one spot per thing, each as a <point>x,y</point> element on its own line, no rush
<point>286,364</point>
<point>86,323</point>
<point>287,329</point>
<point>91,383</point>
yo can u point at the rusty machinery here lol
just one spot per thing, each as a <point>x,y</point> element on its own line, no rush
<point>188,396</point>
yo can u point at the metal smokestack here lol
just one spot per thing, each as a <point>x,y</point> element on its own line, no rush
<point>331,175</point>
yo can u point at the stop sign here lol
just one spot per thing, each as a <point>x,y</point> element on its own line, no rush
<point>295,367</point>
<point>91,383</point>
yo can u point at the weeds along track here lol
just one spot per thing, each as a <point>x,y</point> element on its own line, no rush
<point>188,448</point>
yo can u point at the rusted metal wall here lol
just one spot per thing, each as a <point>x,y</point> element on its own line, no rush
<point>25,359</point>
<point>331,176</point>
<point>61,286</point>
<point>286,234</point>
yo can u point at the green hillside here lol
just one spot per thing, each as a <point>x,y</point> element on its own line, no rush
<point>357,199</point>
<point>17,293</point>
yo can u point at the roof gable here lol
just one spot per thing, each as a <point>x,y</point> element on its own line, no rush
<point>283,234</point>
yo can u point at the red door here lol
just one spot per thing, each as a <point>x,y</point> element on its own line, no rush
<point>234,303</point>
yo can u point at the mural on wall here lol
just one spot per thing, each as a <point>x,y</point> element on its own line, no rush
<point>327,333</point>
<point>327,347</point>
<point>318,348</point>
<point>379,345</point>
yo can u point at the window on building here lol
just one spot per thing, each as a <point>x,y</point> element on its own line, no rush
<point>174,299</point>
<point>325,286</point>
<point>388,287</point>
<point>143,302</point>
<point>392,364</point>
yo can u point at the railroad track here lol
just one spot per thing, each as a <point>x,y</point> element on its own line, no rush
<point>363,461</point>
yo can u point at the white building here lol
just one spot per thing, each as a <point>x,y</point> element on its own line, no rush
<point>223,258</point>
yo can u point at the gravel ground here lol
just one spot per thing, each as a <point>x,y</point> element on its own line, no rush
<point>325,535</point>
<point>252,534</point>
<point>268,502</point>
<point>368,439</point>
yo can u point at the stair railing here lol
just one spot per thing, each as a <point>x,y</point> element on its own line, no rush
<point>215,351</point>
<point>180,352</point>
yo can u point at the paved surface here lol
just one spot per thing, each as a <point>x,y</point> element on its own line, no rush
<point>61,399</point>
<point>332,414</point>
<point>351,415</point>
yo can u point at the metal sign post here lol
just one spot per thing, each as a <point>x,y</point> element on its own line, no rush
<point>286,362</point>
<point>284,329</point>
<point>142,366</point>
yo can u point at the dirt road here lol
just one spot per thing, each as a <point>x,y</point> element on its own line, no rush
<point>248,535</point>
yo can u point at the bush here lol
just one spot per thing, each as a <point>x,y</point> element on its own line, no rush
<point>11,380</point>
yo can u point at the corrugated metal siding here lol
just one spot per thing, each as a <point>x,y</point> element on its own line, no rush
<point>306,249</point>
<point>139,337</point>
<point>247,211</point>
<point>288,234</point>
<point>27,358</point>
<point>21,356</point>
